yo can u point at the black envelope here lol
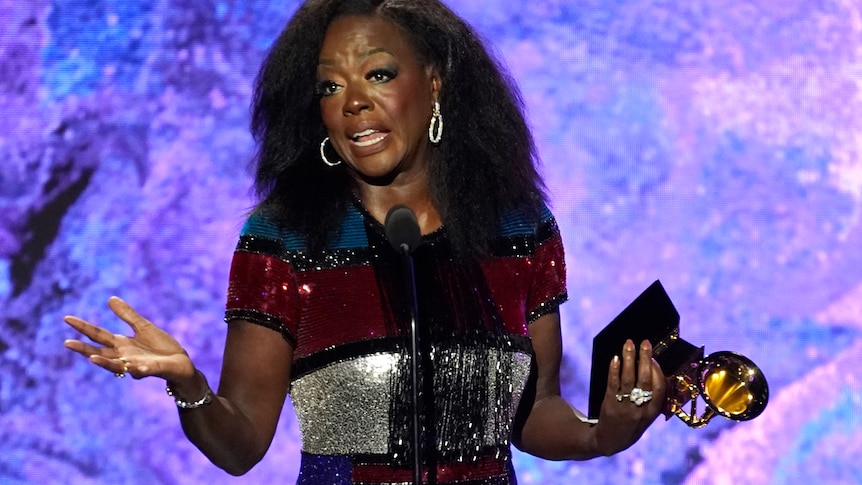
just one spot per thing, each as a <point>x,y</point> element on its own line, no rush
<point>650,316</point>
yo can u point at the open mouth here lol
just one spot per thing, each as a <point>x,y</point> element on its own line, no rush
<point>368,137</point>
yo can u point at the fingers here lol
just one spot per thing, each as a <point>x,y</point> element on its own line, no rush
<point>83,348</point>
<point>635,373</point>
<point>659,381</point>
<point>613,377</point>
<point>119,366</point>
<point>109,342</point>
<point>627,380</point>
<point>92,332</point>
<point>640,375</point>
<point>113,352</point>
<point>621,371</point>
<point>645,366</point>
<point>127,313</point>
<point>136,366</point>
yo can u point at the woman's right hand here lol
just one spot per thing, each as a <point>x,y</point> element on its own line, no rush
<point>149,352</point>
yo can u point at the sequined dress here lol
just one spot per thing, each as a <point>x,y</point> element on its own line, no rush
<point>346,314</point>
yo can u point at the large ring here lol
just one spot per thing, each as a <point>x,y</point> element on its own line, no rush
<point>125,368</point>
<point>620,397</point>
<point>640,396</point>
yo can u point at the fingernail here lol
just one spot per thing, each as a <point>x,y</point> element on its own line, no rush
<point>616,360</point>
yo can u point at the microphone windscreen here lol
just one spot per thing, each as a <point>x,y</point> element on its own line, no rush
<point>402,229</point>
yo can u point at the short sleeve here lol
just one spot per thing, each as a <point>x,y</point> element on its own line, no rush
<point>262,286</point>
<point>548,270</point>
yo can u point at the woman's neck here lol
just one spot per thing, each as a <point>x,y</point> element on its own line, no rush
<point>378,199</point>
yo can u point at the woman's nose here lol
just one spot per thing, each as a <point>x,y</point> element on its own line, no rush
<point>356,101</point>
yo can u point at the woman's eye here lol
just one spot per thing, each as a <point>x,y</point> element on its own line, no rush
<point>381,75</point>
<point>326,88</point>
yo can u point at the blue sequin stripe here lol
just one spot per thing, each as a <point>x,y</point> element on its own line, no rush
<point>519,237</point>
<point>517,224</point>
<point>349,248</point>
<point>351,234</point>
<point>258,225</point>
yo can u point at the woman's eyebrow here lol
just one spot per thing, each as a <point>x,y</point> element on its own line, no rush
<point>362,56</point>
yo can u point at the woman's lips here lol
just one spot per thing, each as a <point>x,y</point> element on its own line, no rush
<point>368,137</point>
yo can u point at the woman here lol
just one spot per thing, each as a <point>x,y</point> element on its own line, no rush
<point>349,114</point>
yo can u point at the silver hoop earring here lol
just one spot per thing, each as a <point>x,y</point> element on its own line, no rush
<point>323,154</point>
<point>435,129</point>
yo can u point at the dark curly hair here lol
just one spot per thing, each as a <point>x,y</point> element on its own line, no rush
<point>484,167</point>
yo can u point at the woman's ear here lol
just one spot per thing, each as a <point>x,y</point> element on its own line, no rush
<point>436,81</point>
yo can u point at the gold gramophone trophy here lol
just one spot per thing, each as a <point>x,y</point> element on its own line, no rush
<point>730,384</point>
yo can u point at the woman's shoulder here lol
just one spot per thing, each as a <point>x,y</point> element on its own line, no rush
<point>264,224</point>
<point>268,223</point>
<point>528,222</point>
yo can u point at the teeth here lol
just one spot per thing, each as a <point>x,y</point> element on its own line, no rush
<point>365,138</point>
<point>364,133</point>
<point>370,141</point>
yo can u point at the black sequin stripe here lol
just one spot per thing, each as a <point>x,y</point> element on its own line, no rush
<point>261,245</point>
<point>330,258</point>
<point>376,459</point>
<point>352,350</point>
<point>546,230</point>
<point>486,340</point>
<point>263,319</point>
<point>301,259</point>
<point>547,307</point>
<point>514,247</point>
<point>502,453</point>
<point>502,480</point>
<point>523,246</point>
<point>344,352</point>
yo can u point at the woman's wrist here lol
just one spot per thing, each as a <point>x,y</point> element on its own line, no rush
<point>190,393</point>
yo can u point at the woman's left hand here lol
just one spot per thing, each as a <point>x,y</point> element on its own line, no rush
<point>631,401</point>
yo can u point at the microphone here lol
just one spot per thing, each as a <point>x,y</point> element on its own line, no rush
<point>402,229</point>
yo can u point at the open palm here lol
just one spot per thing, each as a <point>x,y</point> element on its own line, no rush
<point>149,352</point>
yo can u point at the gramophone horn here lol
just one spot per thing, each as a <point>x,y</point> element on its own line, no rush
<point>732,386</point>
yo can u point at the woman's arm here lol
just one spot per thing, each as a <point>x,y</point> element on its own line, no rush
<point>553,431</point>
<point>236,428</point>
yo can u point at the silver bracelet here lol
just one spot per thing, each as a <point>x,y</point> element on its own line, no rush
<point>208,398</point>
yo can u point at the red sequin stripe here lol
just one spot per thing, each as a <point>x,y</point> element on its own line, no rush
<point>448,473</point>
<point>266,284</point>
<point>339,305</point>
<point>549,273</point>
<point>507,278</point>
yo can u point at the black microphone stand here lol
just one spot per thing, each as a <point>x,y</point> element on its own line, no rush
<point>410,278</point>
<point>402,230</point>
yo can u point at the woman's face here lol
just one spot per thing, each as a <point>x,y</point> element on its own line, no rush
<point>376,98</point>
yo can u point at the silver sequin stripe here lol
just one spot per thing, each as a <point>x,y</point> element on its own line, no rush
<point>344,408</point>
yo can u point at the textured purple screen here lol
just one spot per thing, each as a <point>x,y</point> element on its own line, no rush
<point>713,145</point>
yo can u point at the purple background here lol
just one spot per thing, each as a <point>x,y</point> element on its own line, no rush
<point>713,145</point>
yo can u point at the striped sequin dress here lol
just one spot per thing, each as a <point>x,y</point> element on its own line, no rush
<point>345,312</point>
